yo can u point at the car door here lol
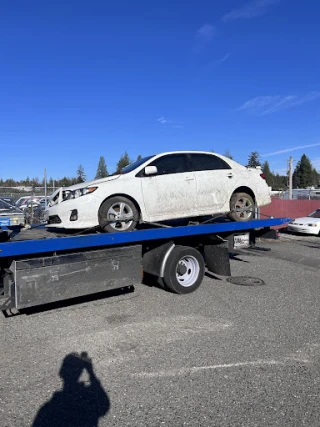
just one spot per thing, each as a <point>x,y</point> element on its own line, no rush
<point>171,193</point>
<point>214,181</point>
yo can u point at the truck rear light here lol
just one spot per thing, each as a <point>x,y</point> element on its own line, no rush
<point>263,176</point>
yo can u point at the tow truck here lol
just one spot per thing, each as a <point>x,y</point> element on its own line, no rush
<point>38,267</point>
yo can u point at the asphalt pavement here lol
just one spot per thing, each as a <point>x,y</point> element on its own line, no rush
<point>226,355</point>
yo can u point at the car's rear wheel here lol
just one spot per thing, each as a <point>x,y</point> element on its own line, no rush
<point>242,207</point>
<point>118,214</point>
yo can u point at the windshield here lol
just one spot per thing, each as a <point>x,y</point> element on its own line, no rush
<point>136,164</point>
<point>315,214</point>
<point>4,205</point>
<point>21,201</point>
<point>54,199</point>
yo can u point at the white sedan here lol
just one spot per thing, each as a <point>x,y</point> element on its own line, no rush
<point>309,224</point>
<point>158,188</point>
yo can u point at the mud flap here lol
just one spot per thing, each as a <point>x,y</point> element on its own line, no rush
<point>217,258</point>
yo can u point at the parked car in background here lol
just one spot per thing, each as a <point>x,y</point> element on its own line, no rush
<point>29,201</point>
<point>308,225</point>
<point>10,215</point>
<point>158,188</point>
<point>34,210</point>
<point>8,200</point>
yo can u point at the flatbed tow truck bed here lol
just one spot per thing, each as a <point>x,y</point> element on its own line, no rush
<point>44,269</point>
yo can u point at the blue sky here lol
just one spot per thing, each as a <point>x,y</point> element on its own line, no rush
<point>80,79</point>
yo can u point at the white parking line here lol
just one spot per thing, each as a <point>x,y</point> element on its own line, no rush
<point>195,369</point>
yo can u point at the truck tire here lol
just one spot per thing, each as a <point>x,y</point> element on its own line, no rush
<point>121,208</point>
<point>184,270</point>
<point>241,201</point>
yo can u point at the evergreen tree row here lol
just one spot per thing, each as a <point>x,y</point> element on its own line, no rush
<point>305,175</point>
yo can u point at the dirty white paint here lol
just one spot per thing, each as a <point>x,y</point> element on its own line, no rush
<point>164,196</point>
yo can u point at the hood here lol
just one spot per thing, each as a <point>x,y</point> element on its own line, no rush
<point>6,212</point>
<point>92,183</point>
<point>306,220</point>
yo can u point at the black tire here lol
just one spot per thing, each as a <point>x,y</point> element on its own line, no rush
<point>192,268</point>
<point>112,207</point>
<point>241,201</point>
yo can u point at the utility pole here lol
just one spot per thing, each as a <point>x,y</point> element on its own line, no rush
<point>45,188</point>
<point>290,178</point>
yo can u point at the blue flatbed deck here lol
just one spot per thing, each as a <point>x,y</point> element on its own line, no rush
<point>56,244</point>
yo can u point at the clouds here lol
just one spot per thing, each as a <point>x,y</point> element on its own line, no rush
<point>263,105</point>
<point>288,150</point>
<point>249,10</point>
<point>163,121</point>
<point>203,38</point>
<point>205,33</point>
<point>170,123</point>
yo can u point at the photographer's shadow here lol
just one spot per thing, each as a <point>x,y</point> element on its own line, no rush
<point>78,404</point>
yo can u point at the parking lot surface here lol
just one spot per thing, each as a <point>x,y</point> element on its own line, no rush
<point>226,355</point>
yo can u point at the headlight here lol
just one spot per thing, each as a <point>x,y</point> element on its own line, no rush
<point>312,225</point>
<point>69,194</point>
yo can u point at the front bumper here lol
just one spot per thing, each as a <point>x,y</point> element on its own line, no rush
<point>303,229</point>
<point>87,207</point>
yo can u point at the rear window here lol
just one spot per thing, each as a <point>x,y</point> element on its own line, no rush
<point>206,162</point>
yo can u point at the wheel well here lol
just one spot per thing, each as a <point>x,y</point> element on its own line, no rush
<point>123,195</point>
<point>245,190</point>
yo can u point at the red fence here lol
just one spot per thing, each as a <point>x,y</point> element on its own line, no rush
<point>289,208</point>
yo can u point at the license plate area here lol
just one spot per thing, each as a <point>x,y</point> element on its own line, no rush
<point>241,240</point>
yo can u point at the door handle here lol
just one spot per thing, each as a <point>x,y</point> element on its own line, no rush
<point>230,175</point>
<point>190,178</point>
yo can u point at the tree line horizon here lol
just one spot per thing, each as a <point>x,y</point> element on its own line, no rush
<point>304,175</point>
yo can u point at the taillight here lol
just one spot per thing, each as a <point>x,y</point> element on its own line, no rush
<point>263,176</point>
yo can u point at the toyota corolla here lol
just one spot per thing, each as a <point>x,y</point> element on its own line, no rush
<point>307,225</point>
<point>159,188</point>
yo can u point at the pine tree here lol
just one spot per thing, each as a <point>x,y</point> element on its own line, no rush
<point>303,175</point>
<point>254,160</point>
<point>139,157</point>
<point>123,162</point>
<point>279,182</point>
<point>228,154</point>
<point>268,174</point>
<point>102,171</point>
<point>81,176</point>
<point>316,178</point>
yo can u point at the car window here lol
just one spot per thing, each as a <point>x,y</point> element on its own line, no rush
<point>4,205</point>
<point>205,162</point>
<point>171,163</point>
<point>134,165</point>
<point>315,214</point>
<point>20,201</point>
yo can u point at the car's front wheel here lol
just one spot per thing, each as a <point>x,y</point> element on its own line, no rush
<point>118,214</point>
<point>242,207</point>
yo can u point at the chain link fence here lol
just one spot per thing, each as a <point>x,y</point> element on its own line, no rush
<point>298,194</point>
<point>32,201</point>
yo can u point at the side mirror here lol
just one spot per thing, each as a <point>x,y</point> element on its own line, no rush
<point>150,170</point>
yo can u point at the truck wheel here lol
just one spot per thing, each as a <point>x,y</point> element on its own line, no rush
<point>184,270</point>
<point>239,202</point>
<point>118,214</point>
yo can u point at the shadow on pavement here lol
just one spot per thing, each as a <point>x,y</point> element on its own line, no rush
<point>78,404</point>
